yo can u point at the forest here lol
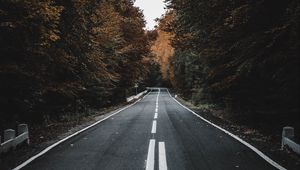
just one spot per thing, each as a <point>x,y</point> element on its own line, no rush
<point>240,56</point>
<point>67,65</point>
<point>61,57</point>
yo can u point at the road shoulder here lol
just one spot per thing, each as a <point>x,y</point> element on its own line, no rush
<point>43,136</point>
<point>263,142</point>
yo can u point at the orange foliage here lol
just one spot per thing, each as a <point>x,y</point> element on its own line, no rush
<point>163,51</point>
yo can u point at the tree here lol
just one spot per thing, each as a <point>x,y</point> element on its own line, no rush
<point>240,54</point>
<point>64,57</point>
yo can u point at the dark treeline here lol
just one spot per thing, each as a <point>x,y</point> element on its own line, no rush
<point>64,56</point>
<point>243,55</point>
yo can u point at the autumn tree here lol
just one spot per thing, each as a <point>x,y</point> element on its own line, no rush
<point>64,57</point>
<point>242,55</point>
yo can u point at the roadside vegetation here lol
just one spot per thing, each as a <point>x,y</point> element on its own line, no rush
<point>61,58</point>
<point>240,56</point>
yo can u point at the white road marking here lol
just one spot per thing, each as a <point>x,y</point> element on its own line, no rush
<point>258,152</point>
<point>162,156</point>
<point>153,127</point>
<point>156,106</point>
<point>155,115</point>
<point>157,96</point>
<point>68,137</point>
<point>150,156</point>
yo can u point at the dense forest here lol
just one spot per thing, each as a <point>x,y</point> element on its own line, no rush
<point>65,64</point>
<point>65,56</point>
<point>162,50</point>
<point>242,56</point>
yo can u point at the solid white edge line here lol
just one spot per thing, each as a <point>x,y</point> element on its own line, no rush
<point>70,136</point>
<point>169,93</point>
<point>162,156</point>
<point>153,127</point>
<point>262,155</point>
<point>150,156</point>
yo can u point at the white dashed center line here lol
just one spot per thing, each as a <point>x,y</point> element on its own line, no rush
<point>162,156</point>
<point>153,127</point>
<point>162,164</point>
<point>150,156</point>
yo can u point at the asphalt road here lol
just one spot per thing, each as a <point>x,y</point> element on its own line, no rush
<point>155,133</point>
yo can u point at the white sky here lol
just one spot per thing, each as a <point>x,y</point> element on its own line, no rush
<point>152,9</point>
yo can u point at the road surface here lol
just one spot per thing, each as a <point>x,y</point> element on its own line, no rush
<point>155,133</point>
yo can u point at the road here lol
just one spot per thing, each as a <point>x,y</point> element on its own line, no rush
<point>155,133</point>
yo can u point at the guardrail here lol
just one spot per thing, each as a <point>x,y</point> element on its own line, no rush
<point>129,99</point>
<point>287,139</point>
<point>11,141</point>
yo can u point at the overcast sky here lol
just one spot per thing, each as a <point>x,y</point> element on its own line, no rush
<point>152,9</point>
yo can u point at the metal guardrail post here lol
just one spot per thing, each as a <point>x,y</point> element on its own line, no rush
<point>23,128</point>
<point>11,141</point>
<point>288,132</point>
<point>9,134</point>
<point>287,139</point>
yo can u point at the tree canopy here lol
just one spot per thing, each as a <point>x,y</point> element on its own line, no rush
<point>243,55</point>
<point>64,56</point>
